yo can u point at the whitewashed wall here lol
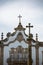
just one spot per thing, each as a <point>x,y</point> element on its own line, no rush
<point>15,45</point>
<point>23,44</point>
<point>33,56</point>
<point>40,55</point>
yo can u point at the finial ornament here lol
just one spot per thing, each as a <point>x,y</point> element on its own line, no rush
<point>36,37</point>
<point>19,18</point>
<point>2,36</point>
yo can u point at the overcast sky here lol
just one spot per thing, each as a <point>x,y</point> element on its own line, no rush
<point>30,10</point>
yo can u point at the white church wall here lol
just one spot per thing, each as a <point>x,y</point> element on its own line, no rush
<point>24,45</point>
<point>40,55</point>
<point>33,56</point>
<point>6,55</point>
<point>15,45</point>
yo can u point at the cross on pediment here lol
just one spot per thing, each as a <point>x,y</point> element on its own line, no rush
<point>29,26</point>
<point>19,18</point>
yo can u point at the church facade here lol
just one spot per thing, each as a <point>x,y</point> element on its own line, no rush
<point>20,49</point>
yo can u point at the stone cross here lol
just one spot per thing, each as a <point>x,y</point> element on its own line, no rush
<point>29,26</point>
<point>19,18</point>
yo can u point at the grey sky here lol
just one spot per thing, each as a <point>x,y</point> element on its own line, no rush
<point>31,11</point>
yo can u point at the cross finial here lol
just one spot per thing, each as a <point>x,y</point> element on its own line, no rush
<point>29,26</point>
<point>19,18</point>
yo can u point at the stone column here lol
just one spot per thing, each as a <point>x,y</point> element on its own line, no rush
<point>30,54</point>
<point>37,50</point>
<point>2,49</point>
<point>30,49</point>
<point>42,57</point>
<point>37,55</point>
<point>2,54</point>
<point>29,61</point>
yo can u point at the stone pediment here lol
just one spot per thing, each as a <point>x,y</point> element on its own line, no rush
<point>19,36</point>
<point>19,27</point>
